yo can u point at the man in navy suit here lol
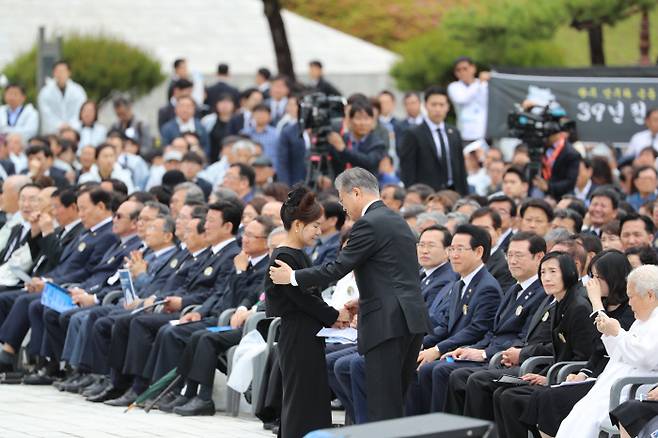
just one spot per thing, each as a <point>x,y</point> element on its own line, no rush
<point>133,335</point>
<point>292,151</point>
<point>76,263</point>
<point>328,244</point>
<point>185,121</point>
<point>474,300</point>
<point>487,218</point>
<point>436,272</point>
<point>512,319</point>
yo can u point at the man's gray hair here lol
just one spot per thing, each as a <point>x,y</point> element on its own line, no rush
<point>458,217</point>
<point>645,279</point>
<point>434,217</point>
<point>162,209</point>
<point>193,193</point>
<point>462,202</point>
<point>243,145</point>
<point>169,225</point>
<point>557,235</point>
<point>277,230</point>
<point>357,177</point>
<point>224,194</point>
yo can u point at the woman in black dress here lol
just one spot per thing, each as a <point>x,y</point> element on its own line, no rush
<point>306,395</point>
<point>632,415</point>
<point>607,292</point>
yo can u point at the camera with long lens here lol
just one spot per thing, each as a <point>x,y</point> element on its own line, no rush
<point>323,115</point>
<point>533,127</point>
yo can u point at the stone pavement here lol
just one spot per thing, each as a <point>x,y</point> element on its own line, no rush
<point>38,411</point>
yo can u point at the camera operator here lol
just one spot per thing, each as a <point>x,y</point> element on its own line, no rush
<point>358,148</point>
<point>560,162</point>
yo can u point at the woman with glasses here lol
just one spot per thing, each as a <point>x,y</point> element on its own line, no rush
<point>306,396</point>
<point>607,293</point>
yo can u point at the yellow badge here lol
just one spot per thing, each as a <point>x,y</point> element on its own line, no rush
<point>173,263</point>
<point>350,291</point>
<point>110,260</point>
<point>207,271</point>
<point>82,246</point>
<point>562,338</point>
<point>465,309</point>
<point>519,310</point>
<point>545,317</point>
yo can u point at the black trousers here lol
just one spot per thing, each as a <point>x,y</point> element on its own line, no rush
<point>199,359</point>
<point>7,299</point>
<point>102,339</point>
<point>389,370</point>
<point>142,332</point>
<point>509,405</point>
<point>480,388</point>
<point>56,325</point>
<point>457,383</point>
<point>17,323</point>
<point>169,345</point>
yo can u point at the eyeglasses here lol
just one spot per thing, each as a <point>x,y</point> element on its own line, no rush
<point>252,236</point>
<point>458,249</point>
<point>430,246</point>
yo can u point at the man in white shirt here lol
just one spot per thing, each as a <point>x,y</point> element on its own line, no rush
<point>60,100</point>
<point>648,137</point>
<point>469,95</point>
<point>16,116</point>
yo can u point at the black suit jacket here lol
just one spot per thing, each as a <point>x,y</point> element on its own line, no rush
<point>8,166</point>
<point>214,92</point>
<point>564,172</point>
<point>419,159</point>
<point>538,341</point>
<point>497,266</point>
<point>46,250</point>
<point>573,333</point>
<point>382,253</point>
<point>367,155</point>
<point>326,87</point>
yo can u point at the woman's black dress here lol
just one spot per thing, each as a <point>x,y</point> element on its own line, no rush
<point>549,406</point>
<point>634,415</point>
<point>306,395</point>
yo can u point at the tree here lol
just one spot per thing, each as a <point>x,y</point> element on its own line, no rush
<point>592,15</point>
<point>279,38</point>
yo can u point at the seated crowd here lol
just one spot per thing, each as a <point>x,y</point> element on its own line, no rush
<point>508,269</point>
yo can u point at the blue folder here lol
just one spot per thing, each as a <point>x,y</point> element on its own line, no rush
<point>56,298</point>
<point>217,329</point>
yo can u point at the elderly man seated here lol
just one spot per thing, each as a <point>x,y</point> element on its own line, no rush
<point>632,353</point>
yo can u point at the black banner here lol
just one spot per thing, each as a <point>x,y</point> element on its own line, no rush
<point>607,109</point>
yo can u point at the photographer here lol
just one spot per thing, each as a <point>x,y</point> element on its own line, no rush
<point>358,148</point>
<point>560,162</point>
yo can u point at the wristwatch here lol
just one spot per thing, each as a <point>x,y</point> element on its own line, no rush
<point>484,355</point>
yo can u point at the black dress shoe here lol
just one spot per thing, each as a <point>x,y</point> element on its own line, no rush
<point>175,402</point>
<point>38,379</point>
<point>125,400</point>
<point>80,383</point>
<point>96,388</point>
<point>275,430</point>
<point>109,393</point>
<point>196,407</point>
<point>12,377</point>
<point>72,378</point>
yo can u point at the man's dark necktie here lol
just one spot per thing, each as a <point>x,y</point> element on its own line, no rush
<point>444,156</point>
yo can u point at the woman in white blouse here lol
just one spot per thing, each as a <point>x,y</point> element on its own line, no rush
<point>91,132</point>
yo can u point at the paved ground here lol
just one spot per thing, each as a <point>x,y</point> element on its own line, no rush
<point>29,411</point>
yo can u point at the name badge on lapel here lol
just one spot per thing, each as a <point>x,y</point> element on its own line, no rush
<point>173,263</point>
<point>350,291</point>
<point>562,338</point>
<point>109,262</point>
<point>208,271</point>
<point>519,310</point>
<point>465,309</point>
<point>545,317</point>
<point>82,246</point>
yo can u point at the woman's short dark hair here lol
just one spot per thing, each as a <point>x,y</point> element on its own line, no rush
<point>568,268</point>
<point>102,146</point>
<point>647,254</point>
<point>301,205</point>
<point>613,267</point>
<point>479,237</point>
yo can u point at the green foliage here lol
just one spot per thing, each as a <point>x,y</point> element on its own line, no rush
<point>100,64</point>
<point>594,12</point>
<point>493,33</point>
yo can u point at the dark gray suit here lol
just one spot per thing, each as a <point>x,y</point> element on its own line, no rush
<point>392,315</point>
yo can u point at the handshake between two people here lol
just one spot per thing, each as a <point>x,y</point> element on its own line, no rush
<point>347,315</point>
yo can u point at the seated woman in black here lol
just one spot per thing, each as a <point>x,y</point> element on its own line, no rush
<point>306,396</point>
<point>607,292</point>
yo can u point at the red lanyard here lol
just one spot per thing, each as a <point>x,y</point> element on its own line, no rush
<point>548,162</point>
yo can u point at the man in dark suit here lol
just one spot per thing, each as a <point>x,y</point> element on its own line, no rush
<point>181,87</point>
<point>133,335</point>
<point>328,244</point>
<point>468,316</point>
<point>487,218</point>
<point>510,323</point>
<point>506,209</point>
<point>431,153</point>
<point>249,99</point>
<point>75,264</point>
<point>242,291</point>
<point>437,272</point>
<point>40,163</point>
<point>185,121</point>
<point>392,315</point>
<point>221,87</point>
<point>360,147</point>
<point>292,152</point>
<point>560,166</point>
<point>318,82</point>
